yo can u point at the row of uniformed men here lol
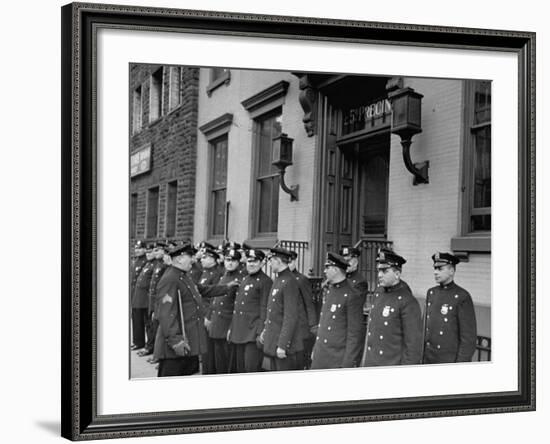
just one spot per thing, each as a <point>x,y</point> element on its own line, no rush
<point>253,321</point>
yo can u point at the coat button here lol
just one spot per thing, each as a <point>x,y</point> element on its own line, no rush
<point>333,316</point>
<point>385,322</point>
<point>400,297</point>
<point>317,338</point>
<point>325,341</point>
<point>329,327</point>
<point>438,347</point>
<point>368,348</point>
<point>446,320</point>
<point>381,337</point>
<point>381,352</point>
<point>456,296</point>
<point>440,333</point>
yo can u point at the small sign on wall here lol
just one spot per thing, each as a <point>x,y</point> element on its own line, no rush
<point>140,161</point>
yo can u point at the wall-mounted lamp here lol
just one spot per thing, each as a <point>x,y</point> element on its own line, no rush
<point>406,122</point>
<point>282,157</point>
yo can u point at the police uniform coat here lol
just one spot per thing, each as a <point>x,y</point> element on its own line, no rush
<point>158,269</point>
<point>394,333</point>
<point>222,307</point>
<point>210,276</point>
<point>307,316</point>
<point>135,268</point>
<point>174,283</point>
<point>250,308</point>
<point>281,325</point>
<point>141,293</point>
<point>450,325</point>
<point>358,281</point>
<point>341,332</point>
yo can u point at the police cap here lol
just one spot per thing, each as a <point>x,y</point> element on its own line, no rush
<point>335,260</point>
<point>444,259</point>
<point>387,258</point>
<point>349,251</point>
<point>254,254</point>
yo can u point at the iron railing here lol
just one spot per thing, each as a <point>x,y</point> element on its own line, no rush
<point>367,263</point>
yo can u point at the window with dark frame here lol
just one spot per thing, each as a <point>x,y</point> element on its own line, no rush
<point>218,186</point>
<point>155,99</point>
<point>267,127</point>
<point>174,87</point>
<point>171,207</point>
<point>137,110</point>
<point>152,212</point>
<point>478,158</point>
<point>133,215</point>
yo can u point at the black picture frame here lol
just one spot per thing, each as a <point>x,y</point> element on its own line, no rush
<point>79,316</point>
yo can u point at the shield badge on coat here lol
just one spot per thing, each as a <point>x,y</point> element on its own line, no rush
<point>444,309</point>
<point>386,311</point>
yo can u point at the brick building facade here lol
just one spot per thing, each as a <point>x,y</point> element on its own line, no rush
<point>163,138</point>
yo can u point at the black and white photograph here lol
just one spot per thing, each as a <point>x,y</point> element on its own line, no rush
<point>306,221</point>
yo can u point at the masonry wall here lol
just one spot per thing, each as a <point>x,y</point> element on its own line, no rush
<point>422,219</point>
<point>294,217</point>
<point>173,139</point>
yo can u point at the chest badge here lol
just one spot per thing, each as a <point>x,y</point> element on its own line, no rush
<point>274,292</point>
<point>247,287</point>
<point>444,309</point>
<point>333,308</point>
<point>386,311</point>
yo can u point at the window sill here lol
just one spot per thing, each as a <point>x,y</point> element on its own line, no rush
<point>471,244</point>
<point>224,79</point>
<point>261,242</point>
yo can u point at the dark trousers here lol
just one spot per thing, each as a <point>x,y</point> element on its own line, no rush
<point>248,357</point>
<point>151,327</point>
<point>208,364</point>
<point>304,357</point>
<point>139,318</point>
<point>178,367</point>
<point>279,365</point>
<point>221,356</point>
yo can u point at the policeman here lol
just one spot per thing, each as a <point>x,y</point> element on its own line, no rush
<point>222,312</point>
<point>341,332</point>
<point>140,300</point>
<point>159,266</point>
<point>181,339</point>
<point>249,314</point>
<point>138,261</point>
<point>211,274</point>
<point>394,330</point>
<point>232,245</point>
<point>356,279</point>
<point>281,337</point>
<point>449,316</point>
<point>307,314</point>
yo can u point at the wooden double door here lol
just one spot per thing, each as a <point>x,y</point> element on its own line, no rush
<point>354,176</point>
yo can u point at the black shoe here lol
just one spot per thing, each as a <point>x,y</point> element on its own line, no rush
<point>145,352</point>
<point>136,347</point>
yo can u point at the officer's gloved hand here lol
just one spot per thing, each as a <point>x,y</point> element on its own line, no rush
<point>260,339</point>
<point>207,324</point>
<point>281,353</point>
<point>182,348</point>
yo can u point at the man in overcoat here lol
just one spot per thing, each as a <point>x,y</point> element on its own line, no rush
<point>394,329</point>
<point>140,300</point>
<point>249,314</point>
<point>281,337</point>
<point>222,312</point>
<point>449,317</point>
<point>211,275</point>
<point>181,337</point>
<point>307,314</point>
<point>341,332</point>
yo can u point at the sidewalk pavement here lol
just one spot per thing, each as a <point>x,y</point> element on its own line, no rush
<point>140,368</point>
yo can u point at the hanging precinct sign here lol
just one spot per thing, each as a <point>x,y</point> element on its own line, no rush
<point>140,161</point>
<point>370,117</point>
